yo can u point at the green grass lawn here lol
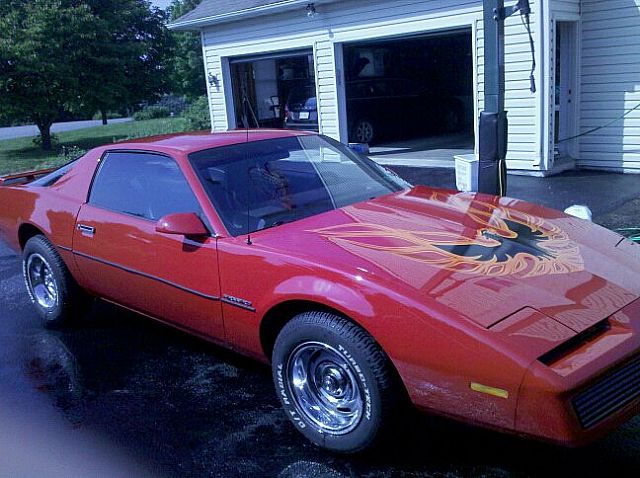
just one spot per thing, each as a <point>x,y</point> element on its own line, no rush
<point>21,154</point>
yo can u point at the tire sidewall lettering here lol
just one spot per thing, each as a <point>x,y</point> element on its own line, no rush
<point>362,379</point>
<point>282,389</point>
<point>287,402</point>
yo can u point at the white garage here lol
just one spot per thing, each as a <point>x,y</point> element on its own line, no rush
<point>304,64</point>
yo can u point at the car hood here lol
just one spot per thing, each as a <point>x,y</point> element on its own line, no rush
<point>476,257</point>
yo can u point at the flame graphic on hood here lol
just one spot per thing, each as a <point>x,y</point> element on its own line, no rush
<point>500,242</point>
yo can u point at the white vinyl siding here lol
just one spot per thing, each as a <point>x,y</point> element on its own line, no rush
<point>566,8</point>
<point>610,84</point>
<point>326,86</point>
<point>354,20</point>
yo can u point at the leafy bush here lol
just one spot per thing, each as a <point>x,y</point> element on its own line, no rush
<point>69,153</point>
<point>155,128</point>
<point>197,114</point>
<point>152,112</point>
<point>176,104</point>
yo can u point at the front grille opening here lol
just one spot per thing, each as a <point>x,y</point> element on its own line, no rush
<point>575,343</point>
<point>612,393</point>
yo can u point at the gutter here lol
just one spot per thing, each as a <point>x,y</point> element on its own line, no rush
<point>232,16</point>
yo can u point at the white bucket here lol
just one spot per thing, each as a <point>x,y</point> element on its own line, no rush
<point>466,172</point>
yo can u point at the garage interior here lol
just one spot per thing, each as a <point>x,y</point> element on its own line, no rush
<point>411,98</point>
<point>267,82</point>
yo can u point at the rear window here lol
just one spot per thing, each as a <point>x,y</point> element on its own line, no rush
<point>303,96</point>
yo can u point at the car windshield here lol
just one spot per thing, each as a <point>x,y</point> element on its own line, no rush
<point>261,184</point>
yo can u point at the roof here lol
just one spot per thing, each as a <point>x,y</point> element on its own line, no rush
<point>211,12</point>
<point>192,142</point>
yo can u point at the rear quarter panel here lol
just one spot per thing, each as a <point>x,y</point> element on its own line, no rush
<point>51,209</point>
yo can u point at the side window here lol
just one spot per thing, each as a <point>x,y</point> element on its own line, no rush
<point>142,184</point>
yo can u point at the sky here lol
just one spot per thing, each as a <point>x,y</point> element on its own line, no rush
<point>161,3</point>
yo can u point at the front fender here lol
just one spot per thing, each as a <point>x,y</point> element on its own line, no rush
<point>346,300</point>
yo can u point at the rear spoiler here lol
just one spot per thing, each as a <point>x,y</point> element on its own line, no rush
<point>26,177</point>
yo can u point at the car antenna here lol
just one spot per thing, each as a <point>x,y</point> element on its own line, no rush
<point>245,104</point>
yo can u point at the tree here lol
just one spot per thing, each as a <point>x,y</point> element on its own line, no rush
<point>186,73</point>
<point>78,55</point>
<point>127,63</point>
<point>42,43</point>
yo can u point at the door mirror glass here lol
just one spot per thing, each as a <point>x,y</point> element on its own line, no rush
<point>184,223</point>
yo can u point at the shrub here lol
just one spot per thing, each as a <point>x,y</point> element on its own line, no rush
<point>151,112</point>
<point>175,104</point>
<point>197,114</point>
<point>69,153</point>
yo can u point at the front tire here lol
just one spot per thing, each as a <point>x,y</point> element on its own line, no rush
<point>53,291</point>
<point>335,383</point>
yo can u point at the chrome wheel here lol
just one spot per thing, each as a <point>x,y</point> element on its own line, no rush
<point>325,387</point>
<point>363,132</point>
<point>41,281</point>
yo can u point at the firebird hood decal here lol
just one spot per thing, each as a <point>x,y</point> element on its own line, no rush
<point>496,241</point>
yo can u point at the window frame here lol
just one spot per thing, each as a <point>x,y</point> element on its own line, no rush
<point>201,214</point>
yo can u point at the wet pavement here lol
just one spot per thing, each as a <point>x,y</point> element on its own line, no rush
<point>127,396</point>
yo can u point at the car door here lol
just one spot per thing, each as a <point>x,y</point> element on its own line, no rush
<point>122,257</point>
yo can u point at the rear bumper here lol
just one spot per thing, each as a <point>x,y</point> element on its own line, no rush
<point>302,126</point>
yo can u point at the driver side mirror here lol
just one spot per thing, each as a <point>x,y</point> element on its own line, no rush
<point>182,223</point>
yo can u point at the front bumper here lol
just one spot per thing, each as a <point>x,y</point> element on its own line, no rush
<point>589,392</point>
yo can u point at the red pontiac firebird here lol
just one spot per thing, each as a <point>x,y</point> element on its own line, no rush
<point>363,292</point>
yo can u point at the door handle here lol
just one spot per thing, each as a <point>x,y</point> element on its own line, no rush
<point>87,231</point>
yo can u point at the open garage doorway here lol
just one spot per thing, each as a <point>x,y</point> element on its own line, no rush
<point>264,85</point>
<point>411,98</point>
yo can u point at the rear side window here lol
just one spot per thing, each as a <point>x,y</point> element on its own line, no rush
<point>53,176</point>
<point>143,185</point>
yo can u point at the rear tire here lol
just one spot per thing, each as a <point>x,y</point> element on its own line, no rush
<point>335,383</point>
<point>53,291</point>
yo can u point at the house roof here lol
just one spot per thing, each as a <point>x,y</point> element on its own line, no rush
<point>210,12</point>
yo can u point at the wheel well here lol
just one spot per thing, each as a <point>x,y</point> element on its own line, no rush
<point>276,318</point>
<point>26,232</point>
